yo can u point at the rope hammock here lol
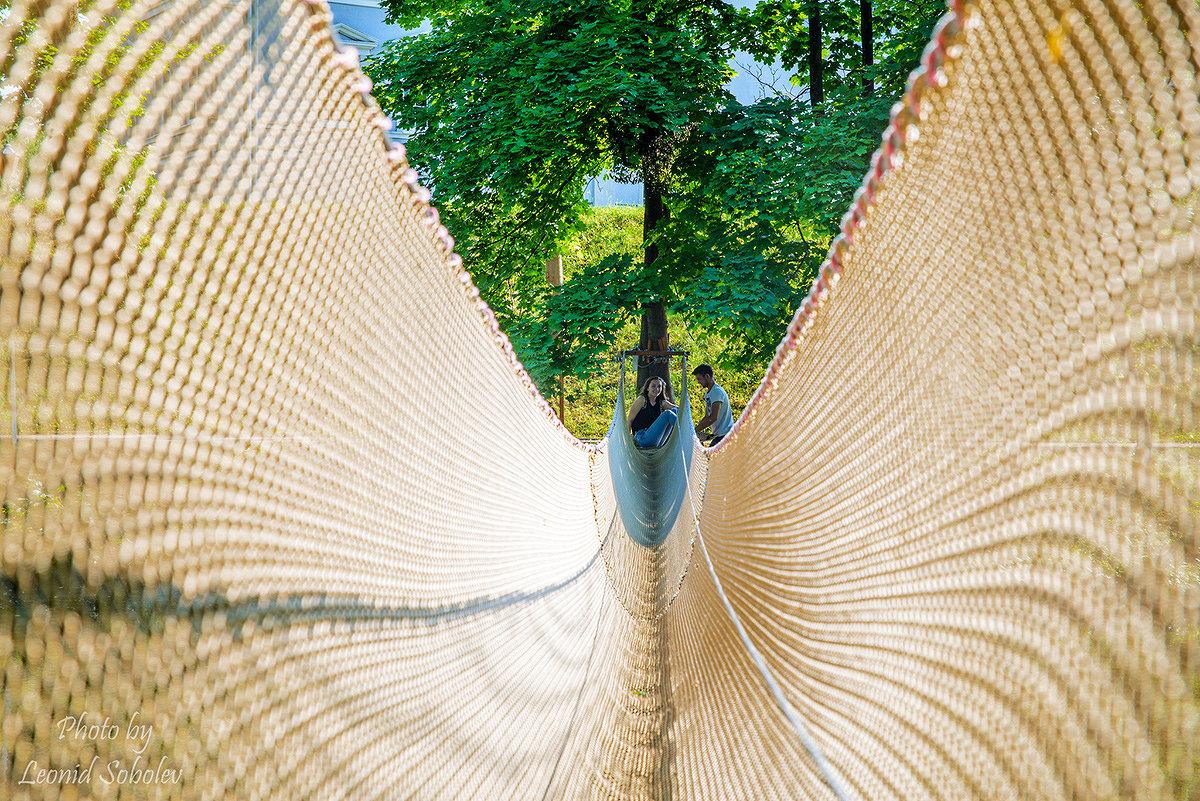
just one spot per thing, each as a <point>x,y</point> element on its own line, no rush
<point>250,550</point>
<point>651,484</point>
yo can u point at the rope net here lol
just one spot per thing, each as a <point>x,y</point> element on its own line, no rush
<point>284,518</point>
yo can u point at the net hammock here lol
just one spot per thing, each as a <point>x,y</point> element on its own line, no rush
<point>651,484</point>
<point>284,517</point>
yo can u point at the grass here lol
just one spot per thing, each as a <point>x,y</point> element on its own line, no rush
<point>608,231</point>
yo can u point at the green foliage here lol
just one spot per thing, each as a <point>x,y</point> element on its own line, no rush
<point>573,328</point>
<point>578,321</point>
<point>762,188</point>
<point>514,104</point>
<point>901,29</point>
<point>611,234</point>
<point>606,231</point>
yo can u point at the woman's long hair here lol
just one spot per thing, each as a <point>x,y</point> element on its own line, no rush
<point>645,392</point>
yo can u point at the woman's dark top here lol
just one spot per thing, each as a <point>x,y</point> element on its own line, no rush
<point>646,415</point>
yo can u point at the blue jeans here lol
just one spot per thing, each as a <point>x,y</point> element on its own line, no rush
<point>656,435</point>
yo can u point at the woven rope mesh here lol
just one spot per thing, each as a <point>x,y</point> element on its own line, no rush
<point>283,517</point>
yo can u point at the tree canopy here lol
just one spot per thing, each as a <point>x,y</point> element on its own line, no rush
<point>513,105</point>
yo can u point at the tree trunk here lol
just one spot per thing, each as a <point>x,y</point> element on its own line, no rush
<point>554,277</point>
<point>816,84</point>
<point>868,47</point>
<point>654,315</point>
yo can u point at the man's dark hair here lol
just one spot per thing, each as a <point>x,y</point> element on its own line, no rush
<point>702,369</point>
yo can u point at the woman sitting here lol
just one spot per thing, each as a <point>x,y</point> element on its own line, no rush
<point>652,416</point>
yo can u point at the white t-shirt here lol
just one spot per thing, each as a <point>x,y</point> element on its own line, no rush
<point>725,418</point>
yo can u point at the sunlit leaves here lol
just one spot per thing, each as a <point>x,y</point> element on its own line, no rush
<point>513,104</point>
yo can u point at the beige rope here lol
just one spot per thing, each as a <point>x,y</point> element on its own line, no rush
<point>284,518</point>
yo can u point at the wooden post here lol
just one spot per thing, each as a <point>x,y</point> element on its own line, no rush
<point>554,277</point>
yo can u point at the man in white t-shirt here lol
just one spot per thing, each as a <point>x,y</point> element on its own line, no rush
<point>716,405</point>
